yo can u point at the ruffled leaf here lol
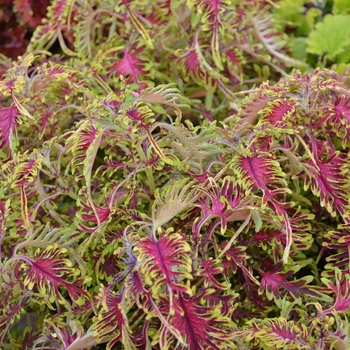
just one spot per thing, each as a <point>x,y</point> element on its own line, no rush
<point>8,118</point>
<point>328,177</point>
<point>50,270</point>
<point>200,326</point>
<point>273,280</point>
<point>279,333</point>
<point>178,197</point>
<point>111,324</point>
<point>271,39</point>
<point>166,94</point>
<point>166,264</point>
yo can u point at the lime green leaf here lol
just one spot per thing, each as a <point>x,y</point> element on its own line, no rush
<point>311,16</point>
<point>341,7</point>
<point>330,36</point>
<point>344,57</point>
<point>172,201</point>
<point>298,47</point>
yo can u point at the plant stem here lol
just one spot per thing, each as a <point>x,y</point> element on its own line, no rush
<point>148,172</point>
<point>209,99</point>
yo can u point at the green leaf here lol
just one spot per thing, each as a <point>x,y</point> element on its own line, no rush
<point>172,201</point>
<point>330,36</point>
<point>298,47</point>
<point>344,57</point>
<point>311,16</point>
<point>341,7</point>
<point>290,13</point>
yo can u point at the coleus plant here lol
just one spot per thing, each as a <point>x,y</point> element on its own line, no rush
<point>120,228</point>
<point>125,225</point>
<point>210,49</point>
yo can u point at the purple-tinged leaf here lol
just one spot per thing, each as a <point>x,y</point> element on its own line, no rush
<point>27,169</point>
<point>259,171</point>
<point>210,11</point>
<point>258,102</point>
<point>278,111</point>
<point>131,66</point>
<point>111,324</point>
<point>209,269</point>
<point>338,243</point>
<point>339,118</point>
<point>138,24</point>
<point>341,290</point>
<point>81,140</point>
<point>217,299</point>
<point>166,264</point>
<point>234,258</point>
<point>96,214</point>
<point>190,61</point>
<point>228,203</point>
<point>68,333</point>
<point>57,19</point>
<point>328,178</point>
<point>273,280</point>
<point>137,289</point>
<point>48,271</point>
<point>200,326</point>
<point>278,333</point>
<point>8,118</point>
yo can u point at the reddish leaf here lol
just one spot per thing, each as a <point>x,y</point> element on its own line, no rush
<point>278,110</point>
<point>190,61</point>
<point>130,66</point>
<point>339,118</point>
<point>259,171</point>
<point>273,280</point>
<point>49,270</point>
<point>278,333</point>
<point>165,263</point>
<point>227,203</point>
<point>199,325</point>
<point>338,242</point>
<point>8,116</point>
<point>328,178</point>
<point>209,269</point>
<point>111,321</point>
<point>341,290</point>
<point>235,258</point>
<point>89,214</point>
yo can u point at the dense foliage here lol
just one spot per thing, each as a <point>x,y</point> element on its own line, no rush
<point>149,201</point>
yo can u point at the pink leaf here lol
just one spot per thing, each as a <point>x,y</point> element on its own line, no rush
<point>49,270</point>
<point>278,110</point>
<point>225,202</point>
<point>199,325</point>
<point>131,65</point>
<point>341,290</point>
<point>111,321</point>
<point>259,171</point>
<point>328,177</point>
<point>273,280</point>
<point>340,118</point>
<point>165,261</point>
<point>8,116</point>
<point>209,269</point>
